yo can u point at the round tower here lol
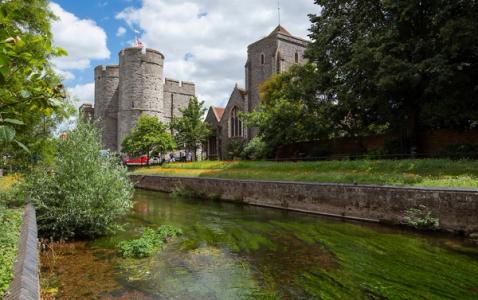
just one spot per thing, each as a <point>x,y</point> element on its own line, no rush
<point>140,87</point>
<point>106,104</point>
<point>110,117</point>
<point>99,88</point>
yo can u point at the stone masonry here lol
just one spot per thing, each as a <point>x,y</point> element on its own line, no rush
<point>270,55</point>
<point>134,87</point>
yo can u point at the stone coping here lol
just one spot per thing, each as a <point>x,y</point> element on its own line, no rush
<point>26,281</point>
<point>348,185</point>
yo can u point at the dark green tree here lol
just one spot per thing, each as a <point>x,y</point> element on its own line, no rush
<point>191,130</point>
<point>148,136</point>
<point>410,65</point>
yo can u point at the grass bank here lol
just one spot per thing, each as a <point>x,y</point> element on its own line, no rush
<point>422,172</point>
<point>10,224</point>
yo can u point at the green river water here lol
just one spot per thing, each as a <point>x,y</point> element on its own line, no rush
<point>231,251</point>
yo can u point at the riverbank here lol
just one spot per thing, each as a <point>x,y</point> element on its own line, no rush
<point>418,172</point>
<point>454,210</point>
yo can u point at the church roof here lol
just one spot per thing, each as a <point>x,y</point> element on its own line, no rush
<point>280,29</point>
<point>218,112</point>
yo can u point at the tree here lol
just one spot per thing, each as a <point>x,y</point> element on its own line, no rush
<point>290,110</point>
<point>149,135</point>
<point>191,130</point>
<point>30,91</point>
<point>409,65</point>
<point>83,194</point>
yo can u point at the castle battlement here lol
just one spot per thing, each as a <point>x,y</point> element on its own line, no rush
<point>180,87</point>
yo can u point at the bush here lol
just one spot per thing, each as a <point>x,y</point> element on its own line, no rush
<point>460,151</point>
<point>150,242</point>
<point>235,147</point>
<point>420,218</point>
<point>10,223</point>
<point>83,194</point>
<point>256,149</point>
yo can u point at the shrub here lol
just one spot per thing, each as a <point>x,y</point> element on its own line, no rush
<point>420,218</point>
<point>460,151</point>
<point>83,193</point>
<point>149,243</point>
<point>10,223</point>
<point>256,149</point>
<point>235,147</point>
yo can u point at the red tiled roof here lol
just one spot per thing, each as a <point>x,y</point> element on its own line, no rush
<point>218,112</point>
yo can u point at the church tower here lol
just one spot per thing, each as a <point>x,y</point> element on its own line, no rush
<point>270,55</point>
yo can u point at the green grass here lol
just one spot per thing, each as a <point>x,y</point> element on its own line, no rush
<point>10,224</point>
<point>422,172</point>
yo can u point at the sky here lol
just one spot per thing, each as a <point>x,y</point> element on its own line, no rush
<point>204,41</point>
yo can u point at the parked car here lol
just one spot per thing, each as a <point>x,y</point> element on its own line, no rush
<point>138,161</point>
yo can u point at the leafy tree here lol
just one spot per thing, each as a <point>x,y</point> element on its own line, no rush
<point>30,91</point>
<point>190,129</point>
<point>409,65</point>
<point>149,135</point>
<point>82,194</point>
<point>290,110</point>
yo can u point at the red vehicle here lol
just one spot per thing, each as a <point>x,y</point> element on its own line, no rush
<point>138,161</point>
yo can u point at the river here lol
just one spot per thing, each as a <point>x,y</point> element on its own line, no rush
<point>231,251</point>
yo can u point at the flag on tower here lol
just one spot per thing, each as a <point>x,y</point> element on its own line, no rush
<point>138,43</point>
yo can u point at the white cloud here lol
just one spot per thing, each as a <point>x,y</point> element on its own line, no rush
<point>82,93</point>
<point>121,31</point>
<point>82,38</point>
<point>205,41</point>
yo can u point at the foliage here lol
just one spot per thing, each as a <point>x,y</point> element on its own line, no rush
<point>10,222</point>
<point>460,151</point>
<point>403,64</point>
<point>150,242</point>
<point>149,135</point>
<point>32,97</point>
<point>255,149</point>
<point>83,193</point>
<point>191,131</point>
<point>420,217</point>
<point>235,148</point>
<point>415,172</point>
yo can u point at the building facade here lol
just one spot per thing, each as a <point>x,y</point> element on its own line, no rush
<point>270,55</point>
<point>134,87</point>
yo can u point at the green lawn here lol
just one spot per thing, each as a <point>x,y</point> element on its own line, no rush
<point>10,223</point>
<point>423,172</point>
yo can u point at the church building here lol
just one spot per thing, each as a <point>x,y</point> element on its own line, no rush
<point>270,55</point>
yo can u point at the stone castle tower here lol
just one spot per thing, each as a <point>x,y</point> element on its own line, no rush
<point>134,87</point>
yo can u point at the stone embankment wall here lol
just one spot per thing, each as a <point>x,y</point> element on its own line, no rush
<point>457,209</point>
<point>26,282</point>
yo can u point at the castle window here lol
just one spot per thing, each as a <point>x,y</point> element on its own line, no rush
<point>263,59</point>
<point>297,57</point>
<point>236,123</point>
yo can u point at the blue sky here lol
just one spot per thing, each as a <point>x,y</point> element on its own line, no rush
<point>204,41</point>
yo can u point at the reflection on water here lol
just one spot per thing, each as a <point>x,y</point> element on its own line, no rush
<point>231,251</point>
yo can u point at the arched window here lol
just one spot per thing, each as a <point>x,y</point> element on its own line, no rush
<point>297,57</point>
<point>263,59</point>
<point>236,123</point>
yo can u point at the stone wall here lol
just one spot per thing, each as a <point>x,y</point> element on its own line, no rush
<point>26,283</point>
<point>457,209</point>
<point>177,95</point>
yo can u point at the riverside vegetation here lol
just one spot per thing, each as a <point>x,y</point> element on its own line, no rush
<point>414,172</point>
<point>10,223</point>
